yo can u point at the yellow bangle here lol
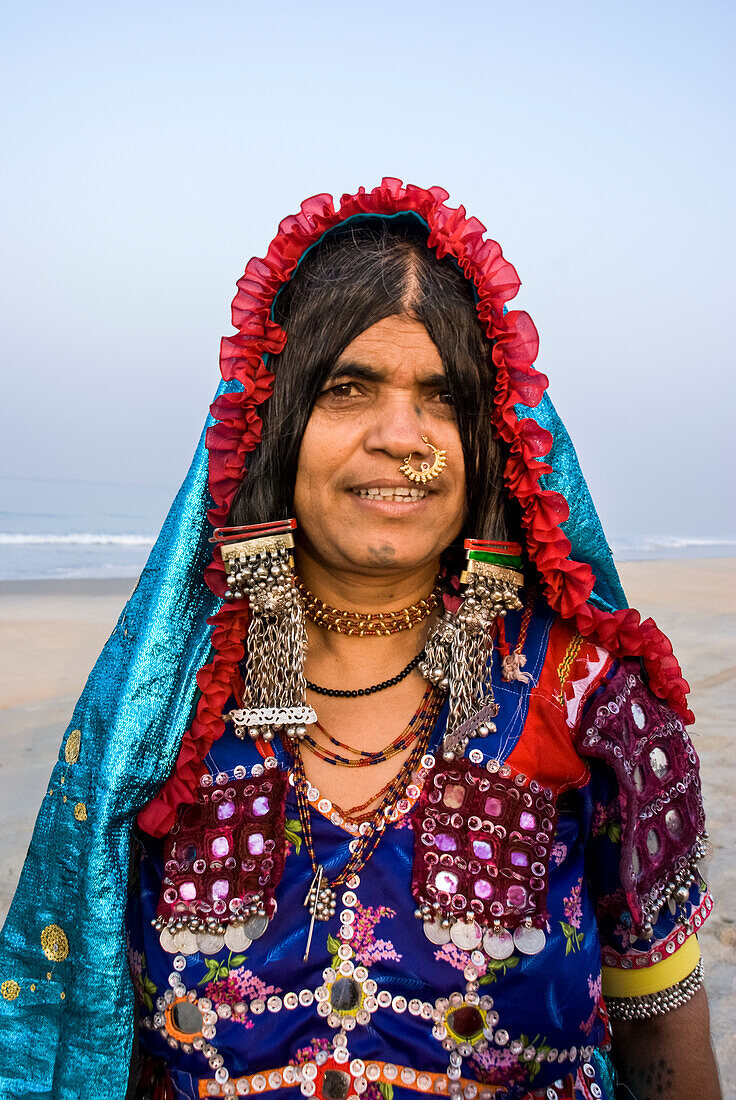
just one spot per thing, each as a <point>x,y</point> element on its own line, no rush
<point>652,979</point>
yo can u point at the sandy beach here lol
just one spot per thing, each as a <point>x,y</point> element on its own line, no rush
<point>52,631</point>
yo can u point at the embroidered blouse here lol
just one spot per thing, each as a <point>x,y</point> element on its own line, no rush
<point>509,894</point>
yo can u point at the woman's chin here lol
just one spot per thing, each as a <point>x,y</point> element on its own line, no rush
<point>377,557</point>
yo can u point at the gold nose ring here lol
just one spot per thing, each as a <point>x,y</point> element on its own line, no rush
<point>427,471</point>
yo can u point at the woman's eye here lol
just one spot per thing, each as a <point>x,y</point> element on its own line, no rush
<point>446,397</point>
<point>342,389</point>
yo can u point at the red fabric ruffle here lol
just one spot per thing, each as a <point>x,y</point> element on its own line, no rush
<point>567,584</point>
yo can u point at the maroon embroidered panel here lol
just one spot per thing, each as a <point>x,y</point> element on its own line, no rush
<point>481,844</point>
<point>656,766</point>
<point>227,850</point>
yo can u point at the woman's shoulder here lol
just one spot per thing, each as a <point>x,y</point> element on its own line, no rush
<point>564,667</point>
<point>541,693</point>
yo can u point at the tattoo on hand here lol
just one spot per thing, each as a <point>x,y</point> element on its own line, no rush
<point>655,1079</point>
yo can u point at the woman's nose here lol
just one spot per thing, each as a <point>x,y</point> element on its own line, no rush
<point>396,429</point>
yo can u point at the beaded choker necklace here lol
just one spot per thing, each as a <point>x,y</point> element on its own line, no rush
<point>339,693</point>
<point>321,896</point>
<point>367,624</point>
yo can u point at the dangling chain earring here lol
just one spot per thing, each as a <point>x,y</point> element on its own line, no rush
<point>459,647</point>
<point>259,566</point>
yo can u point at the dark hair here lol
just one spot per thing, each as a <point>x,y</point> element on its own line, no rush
<point>358,274</point>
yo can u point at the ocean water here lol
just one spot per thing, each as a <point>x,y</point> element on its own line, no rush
<point>54,528</point>
<point>79,529</point>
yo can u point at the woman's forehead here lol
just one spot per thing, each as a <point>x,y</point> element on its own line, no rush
<point>387,345</point>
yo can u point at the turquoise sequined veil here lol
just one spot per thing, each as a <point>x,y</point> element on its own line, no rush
<point>66,1010</point>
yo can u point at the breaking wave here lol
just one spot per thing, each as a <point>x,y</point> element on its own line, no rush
<point>82,538</point>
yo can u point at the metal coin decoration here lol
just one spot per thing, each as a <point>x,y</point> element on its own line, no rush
<point>186,942</point>
<point>529,940</point>
<point>498,943</point>
<point>168,942</point>
<point>210,943</point>
<point>256,926</point>
<point>436,932</point>
<point>467,935</point>
<point>236,938</point>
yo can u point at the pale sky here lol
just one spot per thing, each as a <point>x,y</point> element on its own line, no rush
<point>151,149</point>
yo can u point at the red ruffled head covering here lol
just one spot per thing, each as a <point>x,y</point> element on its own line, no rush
<point>567,584</point>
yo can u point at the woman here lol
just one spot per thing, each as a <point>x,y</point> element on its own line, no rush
<point>389,864</point>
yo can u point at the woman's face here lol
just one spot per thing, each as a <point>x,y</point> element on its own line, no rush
<point>387,390</point>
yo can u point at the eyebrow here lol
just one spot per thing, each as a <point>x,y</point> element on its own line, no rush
<point>368,373</point>
<point>354,370</point>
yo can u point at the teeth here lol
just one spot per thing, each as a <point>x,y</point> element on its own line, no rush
<point>396,493</point>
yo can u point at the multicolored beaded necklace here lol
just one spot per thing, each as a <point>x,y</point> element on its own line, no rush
<point>356,814</point>
<point>321,896</point>
<point>361,758</point>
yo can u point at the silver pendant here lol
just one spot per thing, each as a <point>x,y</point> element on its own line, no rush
<point>436,932</point>
<point>498,943</point>
<point>702,865</point>
<point>255,926</point>
<point>167,941</point>
<point>186,942</point>
<point>210,943</point>
<point>467,935</point>
<point>321,900</point>
<point>181,942</point>
<point>236,938</point>
<point>529,940</point>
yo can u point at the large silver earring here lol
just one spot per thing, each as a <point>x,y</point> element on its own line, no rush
<point>459,648</point>
<point>260,568</point>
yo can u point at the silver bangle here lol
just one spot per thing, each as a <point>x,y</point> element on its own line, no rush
<point>656,1004</point>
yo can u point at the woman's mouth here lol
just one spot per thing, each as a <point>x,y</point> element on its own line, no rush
<point>393,495</point>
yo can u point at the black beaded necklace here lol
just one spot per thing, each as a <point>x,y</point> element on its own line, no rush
<point>339,694</point>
